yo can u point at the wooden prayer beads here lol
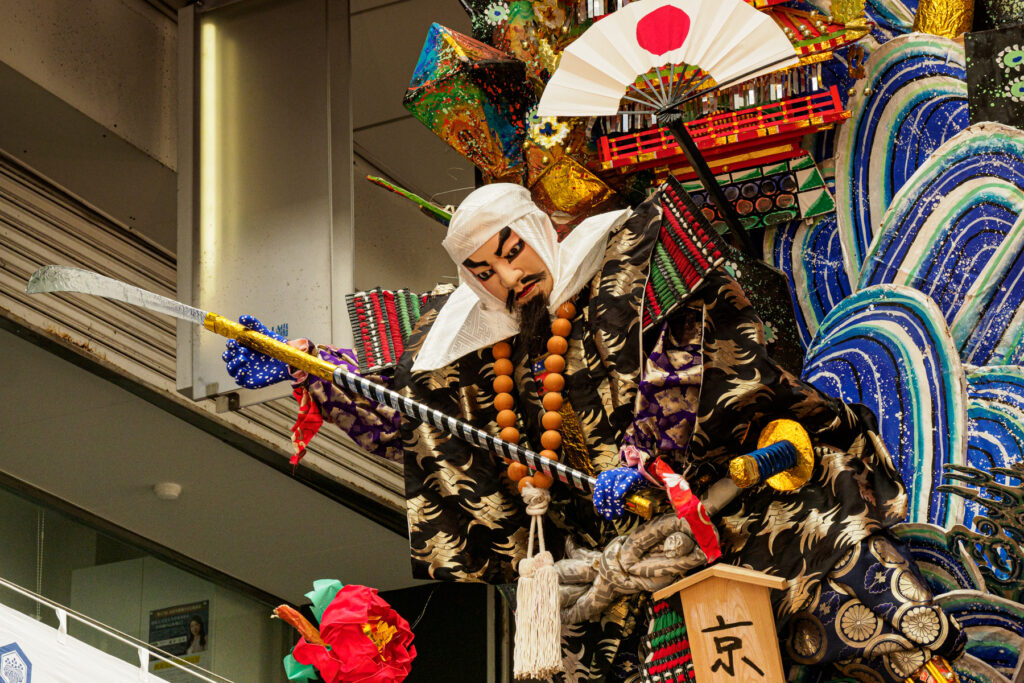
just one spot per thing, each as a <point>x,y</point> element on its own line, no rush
<point>554,382</point>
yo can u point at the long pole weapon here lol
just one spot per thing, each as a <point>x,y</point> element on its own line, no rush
<point>76,280</point>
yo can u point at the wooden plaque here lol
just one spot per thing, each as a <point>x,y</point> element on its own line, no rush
<point>730,624</point>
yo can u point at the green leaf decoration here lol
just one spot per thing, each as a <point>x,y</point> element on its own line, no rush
<point>296,671</point>
<point>323,592</point>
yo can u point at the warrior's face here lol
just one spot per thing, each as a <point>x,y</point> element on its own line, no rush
<point>510,269</point>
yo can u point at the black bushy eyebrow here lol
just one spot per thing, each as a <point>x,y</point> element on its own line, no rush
<point>502,238</point>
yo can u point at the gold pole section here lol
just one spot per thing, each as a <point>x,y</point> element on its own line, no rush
<point>639,505</point>
<point>314,365</point>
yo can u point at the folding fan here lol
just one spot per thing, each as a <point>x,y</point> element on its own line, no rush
<point>727,40</point>
<point>694,41</point>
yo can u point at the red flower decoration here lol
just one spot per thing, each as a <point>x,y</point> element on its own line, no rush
<point>369,642</point>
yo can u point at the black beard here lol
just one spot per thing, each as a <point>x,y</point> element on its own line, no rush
<point>534,325</point>
<point>510,298</point>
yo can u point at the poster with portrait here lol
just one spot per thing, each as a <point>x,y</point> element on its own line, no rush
<point>182,631</point>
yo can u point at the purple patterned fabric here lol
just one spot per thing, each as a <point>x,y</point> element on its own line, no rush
<point>668,395</point>
<point>374,427</point>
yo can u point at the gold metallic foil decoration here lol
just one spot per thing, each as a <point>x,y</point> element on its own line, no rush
<point>557,155</point>
<point>548,57</point>
<point>948,18</point>
<point>744,472</point>
<point>559,183</point>
<point>640,505</point>
<point>574,444</point>
<point>845,11</point>
<point>792,431</point>
<point>569,187</point>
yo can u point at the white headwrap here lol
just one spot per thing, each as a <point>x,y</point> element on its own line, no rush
<point>473,318</point>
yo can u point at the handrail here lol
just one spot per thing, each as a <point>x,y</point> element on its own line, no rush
<point>63,612</point>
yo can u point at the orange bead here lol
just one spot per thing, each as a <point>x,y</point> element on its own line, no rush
<point>557,345</point>
<point>504,401</point>
<point>502,384</point>
<point>554,363</point>
<point>503,366</point>
<point>551,440</point>
<point>552,401</point>
<point>510,434</point>
<point>561,327</point>
<point>551,420</point>
<point>517,471</point>
<point>542,481</point>
<point>524,482</point>
<point>502,350</point>
<point>566,310</point>
<point>506,418</point>
<point>550,455</point>
<point>554,382</point>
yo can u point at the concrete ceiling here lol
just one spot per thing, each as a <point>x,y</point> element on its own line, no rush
<point>386,42</point>
<point>83,439</point>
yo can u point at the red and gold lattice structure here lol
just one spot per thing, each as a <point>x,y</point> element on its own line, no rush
<point>775,129</point>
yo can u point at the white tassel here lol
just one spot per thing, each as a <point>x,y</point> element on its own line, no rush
<point>538,651</point>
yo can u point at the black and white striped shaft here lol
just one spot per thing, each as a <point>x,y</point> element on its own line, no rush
<point>68,279</point>
<point>463,430</point>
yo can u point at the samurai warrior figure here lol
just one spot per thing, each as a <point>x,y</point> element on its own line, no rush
<point>547,339</point>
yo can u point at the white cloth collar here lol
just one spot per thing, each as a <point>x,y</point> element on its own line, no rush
<point>473,318</point>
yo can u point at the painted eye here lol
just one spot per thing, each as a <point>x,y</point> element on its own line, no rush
<point>485,275</point>
<point>514,251</point>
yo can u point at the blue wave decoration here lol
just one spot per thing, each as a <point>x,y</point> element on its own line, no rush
<point>888,348</point>
<point>988,330</point>
<point>944,570</point>
<point>913,99</point>
<point>995,421</point>
<point>892,18</point>
<point>994,625</point>
<point>955,231</point>
<point>970,669</point>
<point>810,254</point>
<point>940,241</point>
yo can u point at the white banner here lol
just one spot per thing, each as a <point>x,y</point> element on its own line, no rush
<point>31,651</point>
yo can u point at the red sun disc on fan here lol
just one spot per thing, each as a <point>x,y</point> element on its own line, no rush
<point>663,30</point>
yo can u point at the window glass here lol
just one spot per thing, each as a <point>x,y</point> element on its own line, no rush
<point>128,589</point>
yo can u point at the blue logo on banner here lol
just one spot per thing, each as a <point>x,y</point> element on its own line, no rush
<point>14,665</point>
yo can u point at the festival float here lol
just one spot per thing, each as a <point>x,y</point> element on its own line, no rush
<point>845,179</point>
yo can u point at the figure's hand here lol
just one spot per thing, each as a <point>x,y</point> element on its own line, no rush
<point>251,369</point>
<point>612,486</point>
